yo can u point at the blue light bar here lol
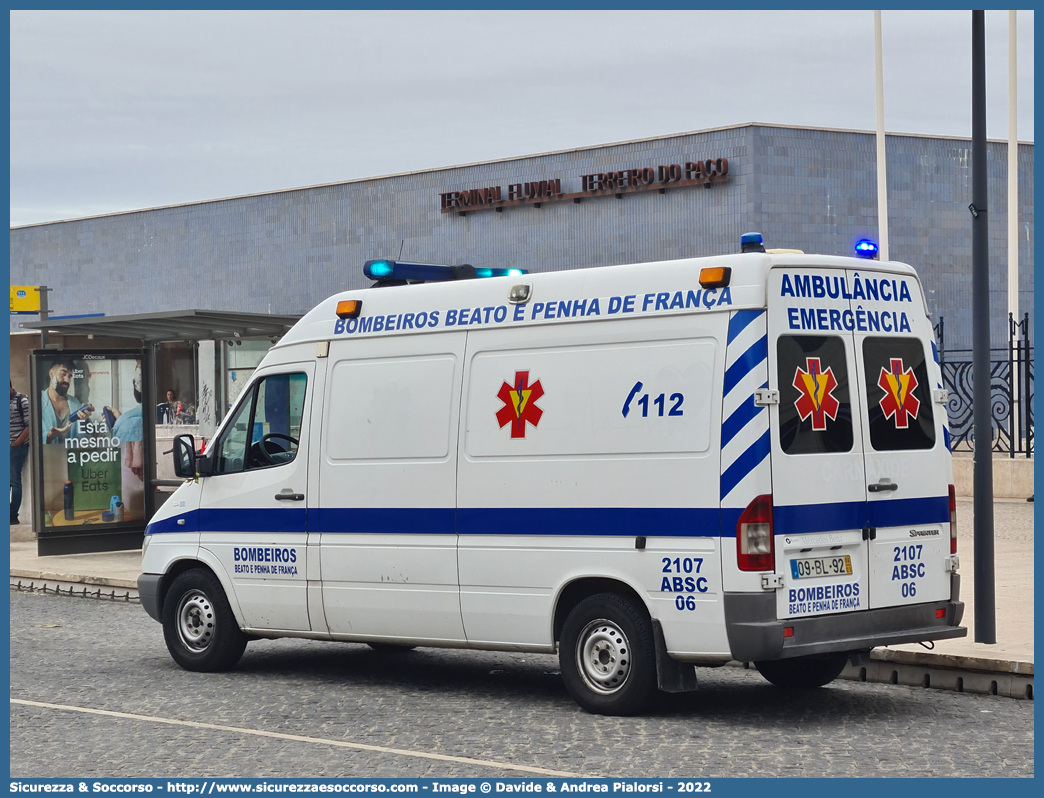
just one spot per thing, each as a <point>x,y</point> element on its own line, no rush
<point>390,269</point>
<point>430,272</point>
<point>865,248</point>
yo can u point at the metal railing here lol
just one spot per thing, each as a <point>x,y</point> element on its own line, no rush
<point>1011,391</point>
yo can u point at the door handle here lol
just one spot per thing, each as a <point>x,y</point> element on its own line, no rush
<point>877,487</point>
<point>289,497</point>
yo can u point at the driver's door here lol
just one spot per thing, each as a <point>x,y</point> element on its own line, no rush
<point>253,515</point>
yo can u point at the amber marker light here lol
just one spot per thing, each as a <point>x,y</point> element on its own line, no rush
<point>717,277</point>
<point>349,308</point>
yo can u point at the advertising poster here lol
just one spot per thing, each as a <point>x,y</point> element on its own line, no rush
<point>91,439</point>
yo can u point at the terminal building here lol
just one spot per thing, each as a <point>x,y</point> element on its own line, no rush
<point>812,189</point>
<point>279,253</point>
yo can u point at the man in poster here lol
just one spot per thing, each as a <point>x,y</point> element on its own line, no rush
<point>59,410</point>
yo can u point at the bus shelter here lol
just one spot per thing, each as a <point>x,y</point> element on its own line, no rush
<point>99,418</point>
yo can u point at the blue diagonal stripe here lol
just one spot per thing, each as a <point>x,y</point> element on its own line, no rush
<point>744,464</point>
<point>742,416</point>
<point>754,355</point>
<point>935,350</point>
<point>740,320</point>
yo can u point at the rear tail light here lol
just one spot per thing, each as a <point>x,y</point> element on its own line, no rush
<point>754,536</point>
<point>953,520</point>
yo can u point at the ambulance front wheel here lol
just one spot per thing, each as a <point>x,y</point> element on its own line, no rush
<point>803,672</point>
<point>198,625</point>
<point>607,656</point>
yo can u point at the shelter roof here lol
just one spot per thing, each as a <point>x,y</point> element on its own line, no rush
<point>174,325</point>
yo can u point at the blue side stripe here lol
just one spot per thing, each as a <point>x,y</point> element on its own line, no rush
<point>191,519</point>
<point>283,519</point>
<point>744,464</point>
<point>740,320</point>
<point>729,518</point>
<point>935,352</point>
<point>901,512</point>
<point>757,353</point>
<point>385,520</point>
<point>801,519</point>
<point>651,521</point>
<point>740,417</point>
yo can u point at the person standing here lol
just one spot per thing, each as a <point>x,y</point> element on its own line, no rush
<point>19,447</point>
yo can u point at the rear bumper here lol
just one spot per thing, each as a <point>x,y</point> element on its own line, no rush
<point>755,634</point>
<point>148,593</point>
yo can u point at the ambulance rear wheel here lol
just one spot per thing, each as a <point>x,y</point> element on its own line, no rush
<point>607,657</point>
<point>198,625</point>
<point>803,672</point>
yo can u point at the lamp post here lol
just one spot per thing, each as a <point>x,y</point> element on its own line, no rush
<point>882,180</point>
<point>985,610</point>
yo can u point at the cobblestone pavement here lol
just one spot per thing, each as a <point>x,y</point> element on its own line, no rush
<point>510,708</point>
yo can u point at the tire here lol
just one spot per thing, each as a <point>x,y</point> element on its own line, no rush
<point>390,648</point>
<point>198,625</point>
<point>607,655</point>
<point>803,672</point>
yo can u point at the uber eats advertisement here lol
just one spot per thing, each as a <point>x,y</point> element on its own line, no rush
<point>91,441</point>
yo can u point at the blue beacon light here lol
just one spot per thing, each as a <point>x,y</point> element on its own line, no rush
<point>430,272</point>
<point>865,248</point>
<point>498,272</point>
<point>752,242</point>
<point>376,269</point>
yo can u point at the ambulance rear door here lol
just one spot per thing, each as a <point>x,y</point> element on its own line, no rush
<point>819,485</point>
<point>908,468</point>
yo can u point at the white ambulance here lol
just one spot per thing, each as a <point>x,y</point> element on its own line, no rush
<point>643,468</point>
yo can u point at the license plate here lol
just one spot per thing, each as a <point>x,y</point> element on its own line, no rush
<point>821,566</point>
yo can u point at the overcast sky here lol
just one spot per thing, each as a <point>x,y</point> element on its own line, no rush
<point>120,110</point>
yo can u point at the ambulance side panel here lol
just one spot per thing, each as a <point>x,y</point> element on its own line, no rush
<point>576,440</point>
<point>388,546</point>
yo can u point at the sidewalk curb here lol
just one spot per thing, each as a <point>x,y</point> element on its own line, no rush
<point>49,576</point>
<point>952,661</point>
<point>880,670</point>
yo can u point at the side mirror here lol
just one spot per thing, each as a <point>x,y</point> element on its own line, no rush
<point>204,465</point>
<point>184,456</point>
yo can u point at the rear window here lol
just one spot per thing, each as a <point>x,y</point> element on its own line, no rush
<point>815,410</point>
<point>898,393</point>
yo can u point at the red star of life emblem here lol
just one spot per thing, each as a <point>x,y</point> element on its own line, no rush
<point>520,404</point>
<point>817,398</point>
<point>898,400</point>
